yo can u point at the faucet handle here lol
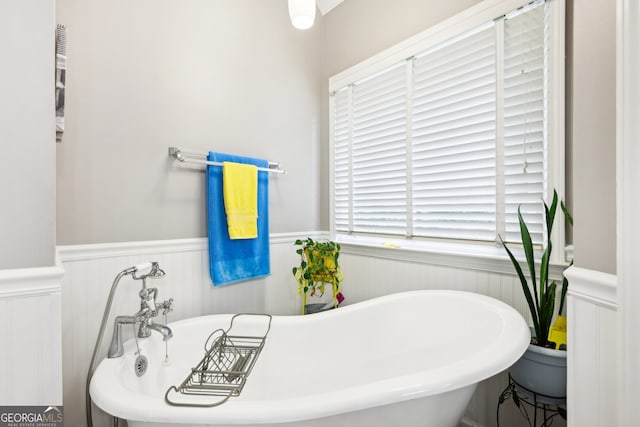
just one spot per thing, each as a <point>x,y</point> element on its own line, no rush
<point>166,306</point>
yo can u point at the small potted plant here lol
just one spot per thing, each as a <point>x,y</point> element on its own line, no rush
<point>318,268</point>
<point>543,368</point>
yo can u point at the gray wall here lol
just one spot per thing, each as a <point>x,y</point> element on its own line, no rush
<point>593,86</point>
<point>235,76</point>
<point>231,76</point>
<point>27,134</point>
<point>358,29</point>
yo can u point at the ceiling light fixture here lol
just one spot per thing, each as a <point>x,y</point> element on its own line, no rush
<point>302,13</point>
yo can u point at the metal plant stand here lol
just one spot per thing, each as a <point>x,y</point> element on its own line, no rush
<point>527,400</point>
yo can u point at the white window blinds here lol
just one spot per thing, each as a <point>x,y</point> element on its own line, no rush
<point>341,162</point>
<point>454,134</point>
<point>448,143</point>
<point>524,122</point>
<point>378,146</point>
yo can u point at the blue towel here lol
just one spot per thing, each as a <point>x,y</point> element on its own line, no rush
<point>233,261</point>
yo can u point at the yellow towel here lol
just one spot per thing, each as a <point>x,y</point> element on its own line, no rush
<point>240,188</point>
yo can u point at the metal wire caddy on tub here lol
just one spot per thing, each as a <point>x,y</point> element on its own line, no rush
<point>223,371</point>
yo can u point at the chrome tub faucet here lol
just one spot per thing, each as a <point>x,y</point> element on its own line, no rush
<point>149,309</point>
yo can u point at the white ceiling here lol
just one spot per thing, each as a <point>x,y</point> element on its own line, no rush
<point>326,5</point>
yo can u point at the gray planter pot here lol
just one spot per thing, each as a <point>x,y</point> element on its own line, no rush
<point>543,371</point>
<point>317,308</point>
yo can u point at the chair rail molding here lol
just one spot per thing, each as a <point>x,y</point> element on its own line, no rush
<point>30,281</point>
<point>592,286</point>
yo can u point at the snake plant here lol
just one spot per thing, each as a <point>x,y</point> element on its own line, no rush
<point>542,300</point>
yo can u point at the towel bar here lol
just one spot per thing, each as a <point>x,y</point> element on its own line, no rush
<point>186,156</point>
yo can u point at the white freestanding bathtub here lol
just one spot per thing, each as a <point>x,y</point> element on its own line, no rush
<point>408,359</point>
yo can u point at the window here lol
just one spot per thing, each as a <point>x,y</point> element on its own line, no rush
<point>450,142</point>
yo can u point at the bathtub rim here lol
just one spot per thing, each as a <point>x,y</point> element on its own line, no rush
<point>126,404</point>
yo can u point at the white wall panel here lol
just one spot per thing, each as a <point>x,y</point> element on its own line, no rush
<point>27,126</point>
<point>592,337</point>
<point>367,277</point>
<point>627,208</point>
<point>91,269</point>
<point>30,336</point>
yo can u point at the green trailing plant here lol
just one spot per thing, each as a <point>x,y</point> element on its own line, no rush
<point>542,300</point>
<point>318,267</point>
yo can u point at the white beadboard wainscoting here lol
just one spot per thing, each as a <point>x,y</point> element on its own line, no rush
<point>91,269</point>
<point>592,359</point>
<point>31,356</point>
<point>373,272</point>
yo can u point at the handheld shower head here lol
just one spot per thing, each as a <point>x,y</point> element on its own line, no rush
<point>156,272</point>
<point>146,270</point>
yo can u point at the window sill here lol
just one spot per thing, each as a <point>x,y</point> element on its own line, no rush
<point>451,254</point>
